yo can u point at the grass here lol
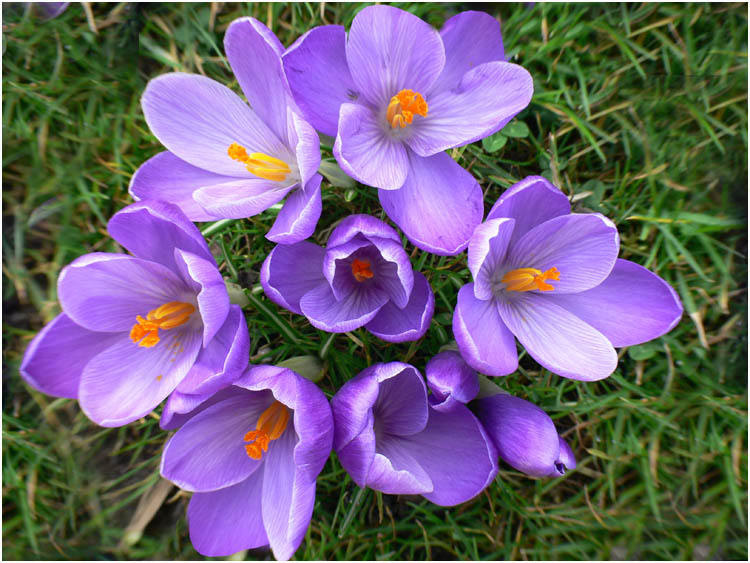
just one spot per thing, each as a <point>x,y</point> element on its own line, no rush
<point>639,112</point>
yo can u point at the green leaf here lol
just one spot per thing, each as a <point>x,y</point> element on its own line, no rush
<point>495,142</point>
<point>516,130</point>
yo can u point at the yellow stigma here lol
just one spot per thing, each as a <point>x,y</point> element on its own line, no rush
<point>271,425</point>
<point>403,106</point>
<point>528,279</point>
<point>172,314</point>
<point>361,270</point>
<point>259,164</point>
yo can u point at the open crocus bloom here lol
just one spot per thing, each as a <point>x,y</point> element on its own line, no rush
<point>396,93</point>
<point>251,455</point>
<point>389,438</point>
<point>362,278</point>
<point>226,160</point>
<point>552,279</point>
<point>135,328</point>
<point>524,435</point>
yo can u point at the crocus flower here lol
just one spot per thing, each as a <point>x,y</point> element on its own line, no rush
<point>363,278</point>
<point>251,457</point>
<point>524,435</point>
<point>396,93</point>
<point>552,279</point>
<point>135,328</point>
<point>49,10</point>
<point>389,438</point>
<point>226,160</point>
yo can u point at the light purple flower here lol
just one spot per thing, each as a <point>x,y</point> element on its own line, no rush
<point>396,93</point>
<point>135,328</point>
<point>49,10</point>
<point>251,456</point>
<point>524,435</point>
<point>226,160</point>
<point>389,438</point>
<point>363,278</point>
<point>551,279</point>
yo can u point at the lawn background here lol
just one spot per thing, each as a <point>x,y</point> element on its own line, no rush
<point>639,112</point>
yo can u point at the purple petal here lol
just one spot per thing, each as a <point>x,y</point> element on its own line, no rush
<point>290,271</point>
<point>299,215</point>
<point>168,178</point>
<point>50,10</point>
<point>106,292</point>
<point>470,39</point>
<point>153,229</point>
<point>448,375</point>
<point>389,50</point>
<point>181,407</point>
<point>337,266</point>
<point>566,460</point>
<point>366,152</point>
<point>319,77</point>
<point>630,307</point>
<point>530,202</point>
<point>42,367</point>
<point>254,54</point>
<point>306,145</point>
<point>208,452</point>
<point>358,454</point>
<point>241,198</point>
<point>439,205</point>
<point>229,520</point>
<point>366,225</point>
<point>410,323</point>
<point>401,406</point>
<point>557,339</point>
<point>394,469</point>
<point>197,119</point>
<point>524,434</point>
<point>487,98</point>
<point>352,402</point>
<point>355,310</point>
<point>583,248</point>
<point>482,337</point>
<point>127,381</point>
<point>487,250</point>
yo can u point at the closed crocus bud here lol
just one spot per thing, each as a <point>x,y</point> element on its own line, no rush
<point>524,435</point>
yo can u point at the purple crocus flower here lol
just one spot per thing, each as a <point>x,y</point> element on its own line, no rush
<point>363,278</point>
<point>135,328</point>
<point>49,10</point>
<point>389,438</point>
<point>251,455</point>
<point>524,435</point>
<point>226,160</point>
<point>396,93</point>
<point>551,279</point>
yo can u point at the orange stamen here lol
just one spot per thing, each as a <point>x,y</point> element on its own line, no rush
<point>270,426</point>
<point>528,279</point>
<point>170,315</point>
<point>260,164</point>
<point>403,106</point>
<point>361,270</point>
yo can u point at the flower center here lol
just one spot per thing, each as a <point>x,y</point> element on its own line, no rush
<point>403,106</point>
<point>260,164</point>
<point>172,314</point>
<point>271,425</point>
<point>528,279</point>
<point>361,270</point>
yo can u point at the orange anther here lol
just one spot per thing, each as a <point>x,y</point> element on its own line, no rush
<point>260,164</point>
<point>403,106</point>
<point>361,270</point>
<point>528,279</point>
<point>170,315</point>
<point>270,426</point>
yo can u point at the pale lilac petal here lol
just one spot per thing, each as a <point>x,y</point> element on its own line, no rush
<point>197,119</point>
<point>439,205</point>
<point>306,144</point>
<point>394,469</point>
<point>208,452</point>
<point>290,271</point>
<point>401,407</point>
<point>127,381</point>
<point>487,98</point>
<point>470,39</point>
<point>153,229</point>
<point>557,339</point>
<point>319,76</point>
<point>388,50</point>
<point>530,202</point>
<point>181,407</point>
<point>229,520</point>
<point>366,152</point>
<point>168,178</point>
<point>358,454</point>
<point>337,266</point>
<point>299,215</point>
<point>566,460</point>
<point>354,400</point>
<point>360,224</point>
<point>50,10</point>
<point>105,292</point>
<point>631,306</point>
<point>254,53</point>
<point>482,337</point>
<point>241,198</point>
<point>583,248</point>
<point>55,358</point>
<point>355,310</point>
<point>448,375</point>
<point>487,250</point>
<point>409,323</point>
